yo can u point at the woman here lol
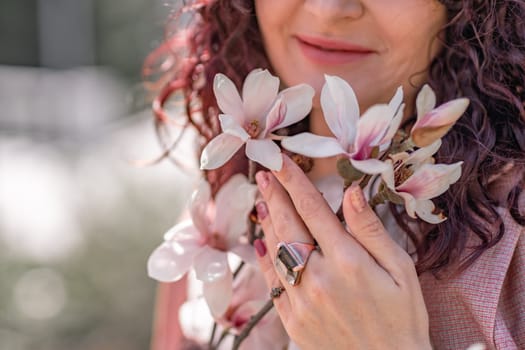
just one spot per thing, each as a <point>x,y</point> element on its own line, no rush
<point>363,290</point>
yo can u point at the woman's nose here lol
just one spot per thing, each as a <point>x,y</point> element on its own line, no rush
<point>335,9</point>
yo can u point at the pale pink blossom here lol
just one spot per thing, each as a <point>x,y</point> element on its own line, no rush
<point>204,241</point>
<point>250,295</point>
<point>433,123</point>
<point>355,137</point>
<point>416,179</point>
<point>252,119</point>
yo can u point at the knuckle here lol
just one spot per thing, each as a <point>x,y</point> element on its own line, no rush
<point>281,222</point>
<point>371,227</point>
<point>309,204</point>
<point>318,288</point>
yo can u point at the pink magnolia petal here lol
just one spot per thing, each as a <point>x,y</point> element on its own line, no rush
<point>370,166</point>
<point>274,118</point>
<point>199,204</point>
<point>340,108</point>
<point>234,201</point>
<point>312,145</point>
<point>436,123</point>
<point>265,152</point>
<point>447,113</point>
<point>169,264</point>
<point>228,97</point>
<point>331,187</point>
<point>425,101</point>
<point>258,94</point>
<point>230,126</point>
<point>219,150</point>
<point>211,264</point>
<point>424,211</point>
<point>431,180</point>
<point>298,100</point>
<point>371,129</point>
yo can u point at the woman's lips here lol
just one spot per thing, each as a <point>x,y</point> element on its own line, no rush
<point>330,52</point>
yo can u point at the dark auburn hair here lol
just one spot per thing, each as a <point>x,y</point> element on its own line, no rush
<point>483,59</point>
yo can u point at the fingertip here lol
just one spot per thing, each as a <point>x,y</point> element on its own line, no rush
<point>354,199</point>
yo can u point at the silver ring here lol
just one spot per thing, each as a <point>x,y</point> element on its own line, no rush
<point>291,258</point>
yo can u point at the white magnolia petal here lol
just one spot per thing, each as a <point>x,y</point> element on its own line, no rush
<point>234,202</point>
<point>219,150</point>
<point>218,294</point>
<point>370,166</point>
<point>199,204</point>
<point>371,129</point>
<point>425,101</point>
<point>424,211</point>
<point>245,252</point>
<point>185,231</point>
<point>410,204</point>
<point>230,126</point>
<point>210,264</point>
<point>265,152</point>
<point>258,94</point>
<point>228,97</point>
<point>331,187</point>
<point>312,145</point>
<point>195,319</point>
<point>169,264</point>
<point>340,108</point>
<point>388,176</point>
<point>298,100</point>
<point>431,180</point>
<point>397,99</point>
<point>424,154</point>
<point>394,126</point>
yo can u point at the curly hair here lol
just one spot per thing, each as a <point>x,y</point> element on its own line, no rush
<point>483,58</point>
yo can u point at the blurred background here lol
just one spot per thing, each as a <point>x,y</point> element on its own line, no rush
<point>77,219</point>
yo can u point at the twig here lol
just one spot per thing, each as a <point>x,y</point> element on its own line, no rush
<point>251,323</point>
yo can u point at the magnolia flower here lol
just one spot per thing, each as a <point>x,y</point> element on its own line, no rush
<point>250,295</point>
<point>253,118</point>
<point>416,179</point>
<point>433,123</point>
<point>355,137</point>
<point>204,243</point>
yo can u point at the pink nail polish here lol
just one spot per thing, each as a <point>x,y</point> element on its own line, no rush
<point>357,198</point>
<point>262,210</point>
<point>262,179</point>
<point>260,247</point>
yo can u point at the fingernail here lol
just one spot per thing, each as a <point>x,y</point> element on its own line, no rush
<point>260,247</point>
<point>262,179</point>
<point>262,210</point>
<point>357,198</point>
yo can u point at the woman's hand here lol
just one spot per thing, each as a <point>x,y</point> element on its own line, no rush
<point>360,291</point>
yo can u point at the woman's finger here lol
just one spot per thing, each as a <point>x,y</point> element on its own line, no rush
<point>282,302</point>
<point>286,224</point>
<point>368,230</point>
<point>324,226</point>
